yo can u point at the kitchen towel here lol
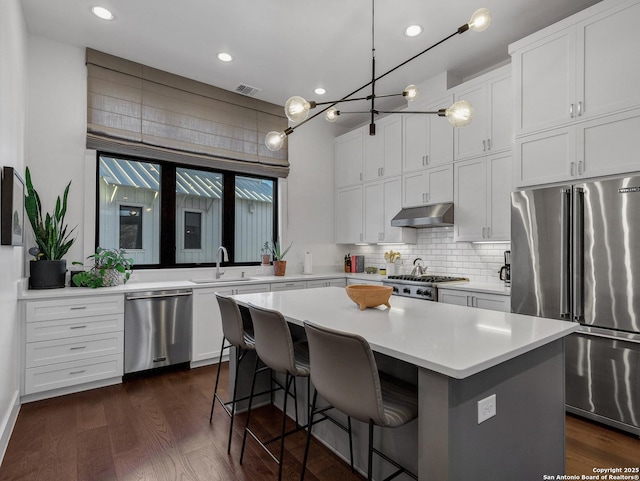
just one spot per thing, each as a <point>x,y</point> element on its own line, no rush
<point>308,264</point>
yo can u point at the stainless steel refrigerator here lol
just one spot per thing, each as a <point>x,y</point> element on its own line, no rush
<point>575,255</point>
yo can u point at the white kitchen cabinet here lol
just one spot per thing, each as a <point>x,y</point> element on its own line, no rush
<point>351,282</point>
<point>349,158</point>
<point>602,146</point>
<point>578,69</point>
<point>72,342</point>
<point>482,198</point>
<point>348,215</point>
<point>490,130</point>
<point>382,201</point>
<point>427,139</point>
<point>207,321</point>
<point>429,186</point>
<point>480,300</point>
<point>337,282</point>
<point>383,151</point>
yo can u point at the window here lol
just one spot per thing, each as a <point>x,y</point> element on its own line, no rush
<point>192,230</point>
<point>130,227</point>
<point>167,215</point>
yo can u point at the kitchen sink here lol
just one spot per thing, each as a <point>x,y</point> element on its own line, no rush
<point>217,281</point>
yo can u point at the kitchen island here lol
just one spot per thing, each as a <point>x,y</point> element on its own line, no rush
<point>458,356</point>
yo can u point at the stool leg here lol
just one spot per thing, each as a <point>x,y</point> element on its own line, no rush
<point>246,426</point>
<point>370,461</point>
<point>235,394</point>
<point>215,389</point>
<point>306,448</point>
<point>287,384</point>
<point>350,443</point>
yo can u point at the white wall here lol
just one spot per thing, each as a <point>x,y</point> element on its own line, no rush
<point>13,80</point>
<point>308,217</point>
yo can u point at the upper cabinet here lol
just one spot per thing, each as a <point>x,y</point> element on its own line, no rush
<point>349,158</point>
<point>568,73</point>
<point>577,102</point>
<point>428,139</point>
<point>383,151</point>
<point>490,130</point>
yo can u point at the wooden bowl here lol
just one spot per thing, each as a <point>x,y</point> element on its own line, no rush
<point>368,295</point>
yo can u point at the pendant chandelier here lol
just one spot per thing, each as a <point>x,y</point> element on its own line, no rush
<point>297,108</point>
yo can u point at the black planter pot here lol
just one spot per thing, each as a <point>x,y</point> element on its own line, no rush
<point>47,274</point>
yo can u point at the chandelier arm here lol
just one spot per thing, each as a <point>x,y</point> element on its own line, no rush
<point>434,112</point>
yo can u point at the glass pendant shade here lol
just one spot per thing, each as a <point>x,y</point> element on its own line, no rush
<point>331,115</point>
<point>411,93</point>
<point>480,20</point>
<point>274,140</point>
<point>296,109</point>
<point>460,113</point>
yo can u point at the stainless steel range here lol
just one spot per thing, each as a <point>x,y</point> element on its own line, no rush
<point>419,287</point>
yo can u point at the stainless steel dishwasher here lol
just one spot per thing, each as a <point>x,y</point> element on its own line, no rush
<point>157,329</point>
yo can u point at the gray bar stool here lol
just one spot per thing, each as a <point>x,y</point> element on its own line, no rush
<point>276,349</point>
<point>345,374</point>
<point>234,335</point>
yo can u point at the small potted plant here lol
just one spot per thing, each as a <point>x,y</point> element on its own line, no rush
<point>279,265</point>
<point>266,254</point>
<point>52,237</point>
<point>109,266</point>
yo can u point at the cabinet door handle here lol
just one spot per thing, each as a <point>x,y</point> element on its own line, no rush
<point>78,308</point>
<point>78,327</point>
<point>488,144</point>
<point>483,232</point>
<point>360,175</point>
<point>580,109</point>
<point>426,157</point>
<point>488,232</point>
<point>484,145</point>
<point>580,168</point>
<point>571,110</point>
<point>76,372</point>
<point>424,160</point>
<point>573,169</point>
<point>77,348</point>
<point>424,197</point>
<point>428,196</point>
<point>381,171</point>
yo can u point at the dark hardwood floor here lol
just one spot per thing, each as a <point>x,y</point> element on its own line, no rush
<point>156,428</point>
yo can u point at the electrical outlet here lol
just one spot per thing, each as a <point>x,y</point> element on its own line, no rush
<point>486,408</point>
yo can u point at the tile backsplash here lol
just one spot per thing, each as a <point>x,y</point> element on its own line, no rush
<point>441,255</point>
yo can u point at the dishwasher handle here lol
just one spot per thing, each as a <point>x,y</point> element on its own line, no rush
<point>134,297</point>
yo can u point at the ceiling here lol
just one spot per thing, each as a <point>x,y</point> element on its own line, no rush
<point>290,47</point>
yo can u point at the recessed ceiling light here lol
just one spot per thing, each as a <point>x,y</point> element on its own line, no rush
<point>413,30</point>
<point>224,57</point>
<point>320,91</point>
<point>102,13</point>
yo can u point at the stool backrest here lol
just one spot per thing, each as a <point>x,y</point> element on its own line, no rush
<point>232,327</point>
<point>274,344</point>
<point>344,372</point>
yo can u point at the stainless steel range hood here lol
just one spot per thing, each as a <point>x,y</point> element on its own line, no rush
<point>437,215</point>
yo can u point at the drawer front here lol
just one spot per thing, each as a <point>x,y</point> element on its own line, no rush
<point>74,327</point>
<point>64,350</point>
<point>73,308</point>
<point>56,376</point>
<point>286,286</point>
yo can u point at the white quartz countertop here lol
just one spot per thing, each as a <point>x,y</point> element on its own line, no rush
<point>202,283</point>
<point>452,340</point>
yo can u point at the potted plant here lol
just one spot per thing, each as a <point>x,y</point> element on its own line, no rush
<point>266,254</point>
<point>279,265</point>
<point>109,266</point>
<point>53,240</point>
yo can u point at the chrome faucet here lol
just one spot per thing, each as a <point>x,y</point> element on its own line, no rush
<point>218,260</point>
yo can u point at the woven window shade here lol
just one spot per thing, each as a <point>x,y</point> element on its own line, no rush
<point>137,110</point>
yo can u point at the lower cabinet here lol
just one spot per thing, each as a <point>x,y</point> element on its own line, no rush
<point>481,300</point>
<point>351,282</point>
<point>207,322</point>
<point>288,286</point>
<point>70,342</point>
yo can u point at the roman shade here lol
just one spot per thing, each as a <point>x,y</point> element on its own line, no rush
<point>136,110</point>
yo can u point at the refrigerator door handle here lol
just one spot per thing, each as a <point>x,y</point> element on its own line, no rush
<point>565,255</point>
<point>578,254</point>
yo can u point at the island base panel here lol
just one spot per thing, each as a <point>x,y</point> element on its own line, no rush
<point>524,440</point>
